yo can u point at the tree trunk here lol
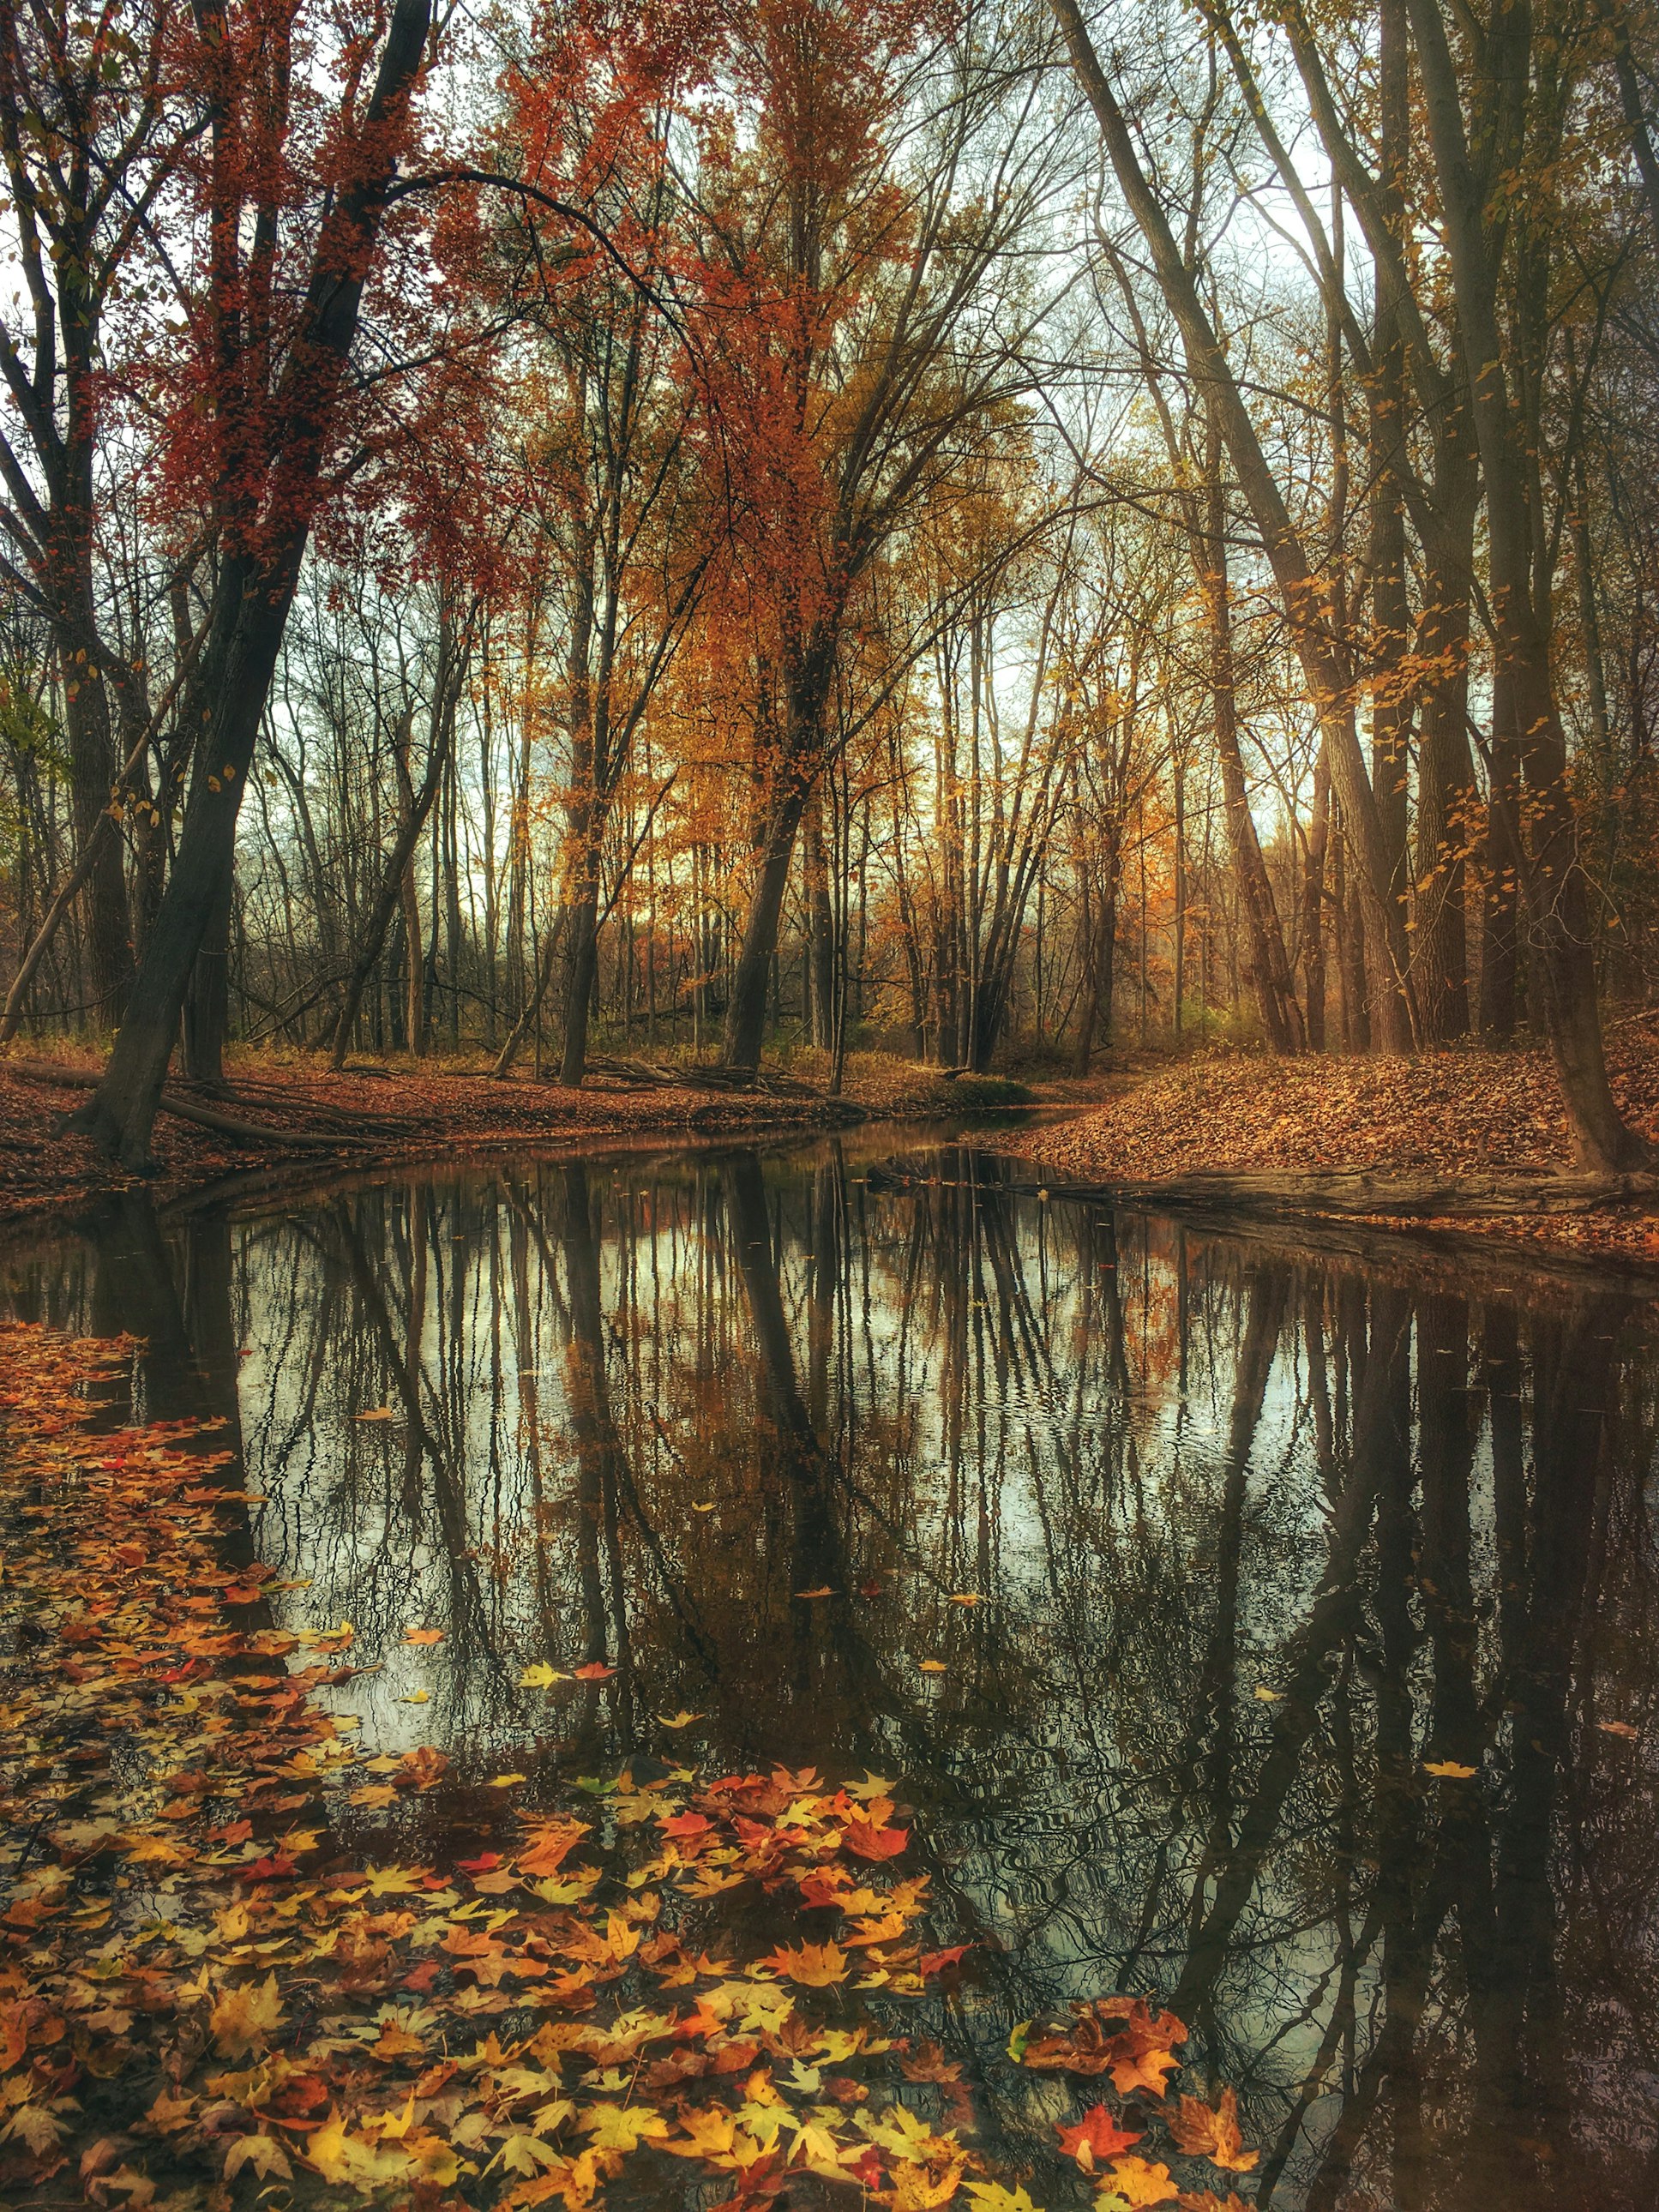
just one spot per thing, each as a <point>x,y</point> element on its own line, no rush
<point>1313,904</point>
<point>820,926</point>
<point>581,953</point>
<point>1305,594</point>
<point>1445,781</point>
<point>93,766</point>
<point>745,1012</point>
<point>207,1004</point>
<point>1270,969</point>
<point>1500,913</point>
<point>1553,888</point>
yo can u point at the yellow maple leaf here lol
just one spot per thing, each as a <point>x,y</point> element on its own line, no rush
<point>1142,2181</point>
<point>622,2127</point>
<point>815,1965</point>
<point>245,2016</point>
<point>1448,1770</point>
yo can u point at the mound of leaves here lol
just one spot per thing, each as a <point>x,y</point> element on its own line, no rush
<point>221,1985</point>
<point>1445,1114</point>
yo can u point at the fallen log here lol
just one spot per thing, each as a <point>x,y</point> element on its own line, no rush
<point>1359,1192</point>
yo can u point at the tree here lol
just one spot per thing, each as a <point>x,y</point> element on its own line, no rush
<point>273,379</point>
<point>93,139</point>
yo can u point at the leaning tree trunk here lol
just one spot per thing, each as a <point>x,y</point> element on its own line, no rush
<point>745,1012</point>
<point>800,760</point>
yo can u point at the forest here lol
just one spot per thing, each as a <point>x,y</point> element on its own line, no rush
<point>828,1105</point>
<point>966,529</point>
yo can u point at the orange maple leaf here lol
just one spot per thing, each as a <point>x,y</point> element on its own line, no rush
<point>1096,2135</point>
<point>1202,2133</point>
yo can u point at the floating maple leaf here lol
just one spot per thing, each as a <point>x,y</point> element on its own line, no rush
<point>866,1842</point>
<point>815,1965</point>
<point>550,1843</point>
<point>1096,2135</point>
<point>1139,2181</point>
<point>1202,2133</point>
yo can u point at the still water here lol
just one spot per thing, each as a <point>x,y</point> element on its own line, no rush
<point>1217,1539</point>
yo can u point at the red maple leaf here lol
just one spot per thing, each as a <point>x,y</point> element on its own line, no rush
<point>1096,2135</point>
<point>875,1842</point>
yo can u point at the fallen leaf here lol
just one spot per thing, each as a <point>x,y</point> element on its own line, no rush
<point>932,1667</point>
<point>244,2016</point>
<point>423,1636</point>
<point>376,1414</point>
<point>1096,2135</point>
<point>1448,1770</point>
<point>1202,2133</point>
<point>815,1965</point>
<point>1138,2181</point>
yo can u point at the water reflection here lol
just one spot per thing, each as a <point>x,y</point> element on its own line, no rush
<point>1219,1543</point>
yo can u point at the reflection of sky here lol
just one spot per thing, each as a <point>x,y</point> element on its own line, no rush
<point>1009,1402</point>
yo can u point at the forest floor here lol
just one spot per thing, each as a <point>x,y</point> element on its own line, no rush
<point>291,1108</point>
<point>1465,1139</point>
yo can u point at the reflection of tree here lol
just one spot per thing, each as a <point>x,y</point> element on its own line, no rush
<point>1257,1532</point>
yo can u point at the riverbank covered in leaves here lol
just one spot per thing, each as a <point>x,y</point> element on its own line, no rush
<point>284,1113</point>
<point>1464,1140</point>
<point>243,1950</point>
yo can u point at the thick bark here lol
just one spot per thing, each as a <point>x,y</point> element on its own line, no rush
<point>257,578</point>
